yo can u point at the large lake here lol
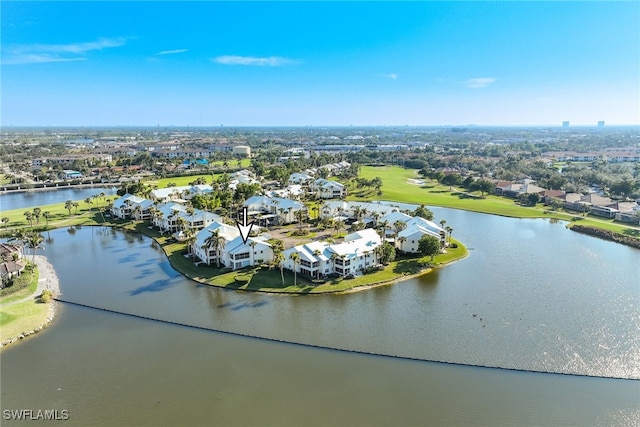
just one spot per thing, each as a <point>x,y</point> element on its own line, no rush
<point>531,295</point>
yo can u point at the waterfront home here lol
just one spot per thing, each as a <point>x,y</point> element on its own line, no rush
<point>131,206</point>
<point>269,210</point>
<point>172,217</point>
<point>210,242</point>
<point>183,192</point>
<point>408,239</point>
<point>10,262</point>
<point>238,254</point>
<point>70,174</point>
<point>389,221</point>
<point>370,212</point>
<point>628,212</point>
<point>9,269</point>
<point>354,255</point>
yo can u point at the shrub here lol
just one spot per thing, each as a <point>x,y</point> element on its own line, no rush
<point>243,279</point>
<point>46,296</point>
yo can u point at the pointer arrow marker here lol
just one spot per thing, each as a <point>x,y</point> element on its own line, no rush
<point>244,228</point>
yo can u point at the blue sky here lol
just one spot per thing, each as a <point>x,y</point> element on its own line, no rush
<point>319,63</point>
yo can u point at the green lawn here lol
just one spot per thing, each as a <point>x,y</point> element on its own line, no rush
<point>180,181</point>
<point>397,188</point>
<point>22,317</point>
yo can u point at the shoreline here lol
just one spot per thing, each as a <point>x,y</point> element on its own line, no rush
<point>47,280</point>
<point>6,190</point>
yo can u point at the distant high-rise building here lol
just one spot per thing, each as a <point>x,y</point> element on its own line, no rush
<point>565,124</point>
<point>600,124</point>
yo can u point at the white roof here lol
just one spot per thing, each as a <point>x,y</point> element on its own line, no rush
<point>357,243</point>
<point>134,200</point>
<point>228,232</point>
<point>395,216</point>
<point>237,245</point>
<point>416,232</point>
<point>278,202</point>
<point>429,225</point>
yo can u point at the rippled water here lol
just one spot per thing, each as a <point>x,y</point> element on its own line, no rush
<point>531,295</point>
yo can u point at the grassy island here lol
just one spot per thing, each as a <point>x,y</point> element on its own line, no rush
<point>269,279</point>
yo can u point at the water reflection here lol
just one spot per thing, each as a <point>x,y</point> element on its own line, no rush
<point>526,306</point>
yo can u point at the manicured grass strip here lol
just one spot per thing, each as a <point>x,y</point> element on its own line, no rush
<point>181,181</point>
<point>22,317</point>
<point>397,188</point>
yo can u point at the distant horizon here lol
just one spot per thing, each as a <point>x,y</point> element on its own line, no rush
<point>186,127</point>
<point>498,64</point>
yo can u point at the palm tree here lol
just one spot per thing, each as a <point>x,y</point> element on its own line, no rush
<point>76,205</point>
<point>295,257</point>
<point>442,223</point>
<point>137,211</point>
<point>334,256</point>
<point>34,241</point>
<point>278,258</point>
<point>215,241</point>
<point>20,236</point>
<point>5,221</point>
<point>317,253</point>
<point>375,217</point>
<point>300,215</point>
<point>449,230</point>
<point>37,213</point>
<point>171,217</point>
<point>384,225</point>
<point>88,202</point>
<point>280,218</point>
<point>160,216</point>
<point>97,197</point>
<point>29,216</point>
<point>153,211</point>
<point>190,239</point>
<point>399,226</point>
<point>46,215</point>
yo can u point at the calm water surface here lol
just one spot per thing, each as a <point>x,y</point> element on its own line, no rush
<point>32,199</point>
<point>531,295</point>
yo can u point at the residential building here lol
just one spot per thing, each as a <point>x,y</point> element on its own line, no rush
<point>326,189</point>
<point>131,206</point>
<point>269,210</point>
<point>206,249</point>
<point>354,255</point>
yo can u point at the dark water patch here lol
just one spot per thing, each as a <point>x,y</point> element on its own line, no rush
<point>150,261</point>
<point>155,286</point>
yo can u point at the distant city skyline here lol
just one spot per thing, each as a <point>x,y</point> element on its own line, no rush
<point>320,63</point>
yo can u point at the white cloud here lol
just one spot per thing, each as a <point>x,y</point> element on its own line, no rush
<point>269,61</point>
<point>392,76</point>
<point>42,53</point>
<point>480,82</point>
<point>172,52</point>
